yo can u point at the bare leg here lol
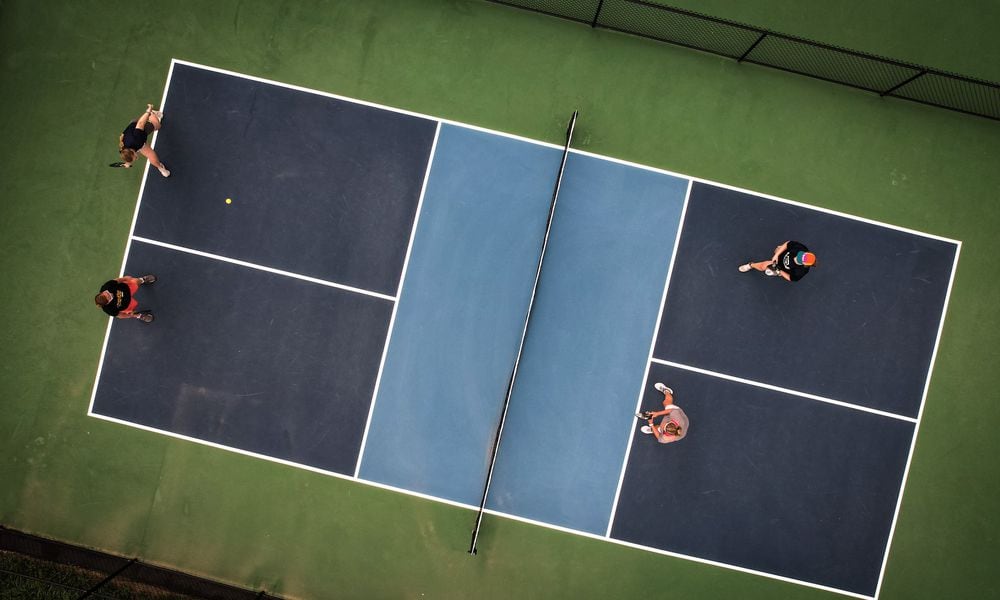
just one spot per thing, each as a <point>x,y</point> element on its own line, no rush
<point>155,120</point>
<point>151,156</point>
<point>153,159</point>
<point>760,266</point>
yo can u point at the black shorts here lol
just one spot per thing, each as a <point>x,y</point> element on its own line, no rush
<point>135,140</point>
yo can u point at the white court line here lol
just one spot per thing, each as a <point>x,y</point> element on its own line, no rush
<point>469,507</point>
<point>920,414</point>
<point>251,265</point>
<point>785,390</point>
<point>282,461</point>
<point>552,145</point>
<point>399,292</point>
<point>770,197</point>
<point>649,358</point>
<point>696,559</point>
<point>392,109</point>
<point>128,244</point>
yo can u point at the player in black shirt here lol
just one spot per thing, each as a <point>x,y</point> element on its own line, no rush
<point>791,261</point>
<point>117,298</point>
<point>133,139</point>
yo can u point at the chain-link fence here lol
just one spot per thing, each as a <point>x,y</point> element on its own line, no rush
<point>34,567</point>
<point>745,43</point>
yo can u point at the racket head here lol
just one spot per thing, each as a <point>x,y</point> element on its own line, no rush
<point>118,165</point>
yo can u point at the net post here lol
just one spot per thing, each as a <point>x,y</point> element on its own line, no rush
<point>597,13</point>
<point>904,82</point>
<point>110,577</point>
<point>752,46</point>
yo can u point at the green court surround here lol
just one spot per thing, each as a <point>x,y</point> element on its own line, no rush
<point>73,73</point>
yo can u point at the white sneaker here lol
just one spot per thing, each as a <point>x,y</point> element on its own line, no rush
<point>745,268</point>
<point>663,389</point>
<point>646,429</point>
<point>164,171</point>
<point>770,272</point>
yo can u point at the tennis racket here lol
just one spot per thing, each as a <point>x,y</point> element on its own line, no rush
<point>118,165</point>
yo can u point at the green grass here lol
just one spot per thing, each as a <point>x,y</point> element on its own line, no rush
<point>72,73</point>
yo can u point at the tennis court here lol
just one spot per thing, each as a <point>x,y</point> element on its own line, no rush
<point>311,413</point>
<point>355,309</point>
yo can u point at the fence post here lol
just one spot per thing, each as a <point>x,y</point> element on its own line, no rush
<point>754,45</point>
<point>597,13</point>
<point>108,578</point>
<point>896,87</point>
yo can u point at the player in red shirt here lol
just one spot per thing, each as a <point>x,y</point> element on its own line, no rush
<point>117,298</point>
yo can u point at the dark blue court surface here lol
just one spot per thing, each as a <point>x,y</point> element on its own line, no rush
<point>263,363</point>
<point>766,481</point>
<point>357,309</point>
<point>320,186</point>
<point>860,327</point>
<point>243,358</point>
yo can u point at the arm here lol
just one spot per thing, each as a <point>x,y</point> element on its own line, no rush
<point>660,413</point>
<point>141,123</point>
<point>778,251</point>
<point>662,437</point>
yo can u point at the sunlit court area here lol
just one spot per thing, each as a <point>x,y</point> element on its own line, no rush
<point>453,299</point>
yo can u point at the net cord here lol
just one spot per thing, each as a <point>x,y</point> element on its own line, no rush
<point>524,335</point>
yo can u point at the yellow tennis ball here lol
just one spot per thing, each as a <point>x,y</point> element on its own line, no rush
<point>229,200</point>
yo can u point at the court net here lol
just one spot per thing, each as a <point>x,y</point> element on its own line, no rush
<point>524,333</point>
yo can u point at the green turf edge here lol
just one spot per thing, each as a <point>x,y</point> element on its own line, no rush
<point>64,222</point>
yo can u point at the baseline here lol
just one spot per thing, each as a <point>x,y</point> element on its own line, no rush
<point>767,481</point>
